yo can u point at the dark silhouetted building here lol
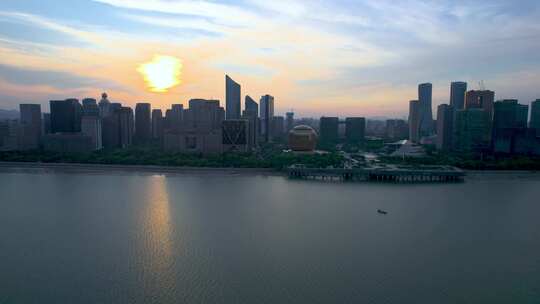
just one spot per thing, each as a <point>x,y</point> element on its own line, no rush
<point>267,116</point>
<point>232,98</point>
<point>91,126</point>
<point>251,113</point>
<point>235,135</point>
<point>278,128</point>
<point>105,108</point>
<point>509,121</point>
<point>458,90</point>
<point>483,99</point>
<point>90,107</point>
<point>289,121</point>
<point>445,127</point>
<point>143,123</point>
<point>472,130</point>
<point>126,124</point>
<point>157,124</point>
<point>535,116</point>
<point>329,130</point>
<point>426,112</point>
<point>31,124</point>
<point>414,121</point>
<point>355,129</point>
<point>63,116</point>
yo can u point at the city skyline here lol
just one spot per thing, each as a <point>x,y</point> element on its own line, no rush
<point>331,58</point>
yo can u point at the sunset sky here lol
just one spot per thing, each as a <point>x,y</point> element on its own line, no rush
<point>344,57</point>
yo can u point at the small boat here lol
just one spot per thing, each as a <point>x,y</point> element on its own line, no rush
<point>381,211</point>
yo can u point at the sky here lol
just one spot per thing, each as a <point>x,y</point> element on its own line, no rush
<point>341,57</point>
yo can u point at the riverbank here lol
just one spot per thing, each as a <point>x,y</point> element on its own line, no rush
<point>77,167</point>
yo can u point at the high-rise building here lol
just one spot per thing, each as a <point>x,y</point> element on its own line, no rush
<point>355,129</point>
<point>31,124</point>
<point>414,121</point>
<point>480,100</point>
<point>251,106</point>
<point>235,135</point>
<point>278,128</point>
<point>445,127</point>
<point>509,119</point>
<point>458,90</point>
<point>90,107</point>
<point>289,121</point>
<point>267,115</point>
<point>157,124</point>
<point>91,127</point>
<point>143,123</point>
<point>232,98</point>
<point>329,130</point>
<point>472,130</point>
<point>426,112</point>
<point>105,108</point>
<point>126,124</point>
<point>535,116</point>
<point>62,116</point>
<point>46,123</point>
<point>204,115</point>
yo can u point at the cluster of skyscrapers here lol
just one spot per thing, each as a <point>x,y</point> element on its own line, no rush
<point>203,127</point>
<point>473,122</point>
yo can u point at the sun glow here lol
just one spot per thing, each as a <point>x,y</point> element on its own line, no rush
<point>162,73</point>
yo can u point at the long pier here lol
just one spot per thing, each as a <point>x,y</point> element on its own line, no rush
<point>442,174</point>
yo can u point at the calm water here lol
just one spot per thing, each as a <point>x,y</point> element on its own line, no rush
<point>220,238</point>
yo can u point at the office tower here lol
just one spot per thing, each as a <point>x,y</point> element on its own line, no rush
<point>235,135</point>
<point>289,121</point>
<point>77,114</point>
<point>62,116</point>
<point>445,127</point>
<point>355,129</point>
<point>126,125</point>
<point>414,121</point>
<point>397,129</point>
<point>253,132</point>
<point>46,123</point>
<point>509,119</point>
<point>143,123</point>
<point>232,98</point>
<point>535,116</point>
<point>91,127</point>
<point>472,130</point>
<point>328,130</point>
<point>157,124</point>
<point>251,106</point>
<point>278,128</point>
<point>175,119</point>
<point>204,115</point>
<point>480,100</point>
<point>426,113</point>
<point>458,90</point>
<point>111,130</point>
<point>31,123</point>
<point>90,107</point>
<point>267,115</point>
<point>105,108</point>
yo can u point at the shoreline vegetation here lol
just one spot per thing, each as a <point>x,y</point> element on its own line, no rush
<point>266,160</point>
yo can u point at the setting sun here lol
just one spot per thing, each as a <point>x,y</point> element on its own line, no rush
<point>162,73</point>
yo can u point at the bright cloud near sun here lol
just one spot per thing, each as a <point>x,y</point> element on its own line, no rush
<point>162,73</point>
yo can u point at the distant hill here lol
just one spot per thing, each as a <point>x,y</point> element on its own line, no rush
<point>9,114</point>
